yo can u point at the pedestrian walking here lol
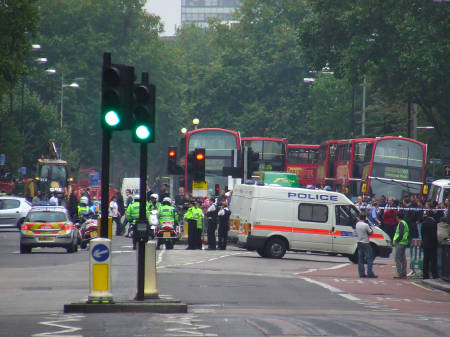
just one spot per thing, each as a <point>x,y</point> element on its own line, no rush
<point>401,242</point>
<point>115,214</point>
<point>223,218</point>
<point>365,254</point>
<point>429,245</point>
<point>211,216</point>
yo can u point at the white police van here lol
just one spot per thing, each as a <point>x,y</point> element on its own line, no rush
<point>275,219</point>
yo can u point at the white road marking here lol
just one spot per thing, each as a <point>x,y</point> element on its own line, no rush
<point>342,265</point>
<point>66,329</point>
<point>323,285</point>
<point>186,325</point>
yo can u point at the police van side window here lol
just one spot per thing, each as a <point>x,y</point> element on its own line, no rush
<point>346,215</point>
<point>313,212</point>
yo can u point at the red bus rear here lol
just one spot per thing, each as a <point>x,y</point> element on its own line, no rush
<point>326,164</point>
<point>272,152</point>
<point>222,149</point>
<point>302,160</point>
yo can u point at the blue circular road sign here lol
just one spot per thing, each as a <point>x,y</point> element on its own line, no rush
<point>100,253</point>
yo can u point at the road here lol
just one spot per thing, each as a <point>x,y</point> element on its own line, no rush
<point>230,293</point>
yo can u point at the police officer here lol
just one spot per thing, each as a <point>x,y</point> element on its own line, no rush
<point>211,216</point>
<point>154,204</point>
<point>133,215</point>
<point>197,214</point>
<point>83,209</point>
<point>224,216</point>
<point>167,213</point>
<point>192,226</point>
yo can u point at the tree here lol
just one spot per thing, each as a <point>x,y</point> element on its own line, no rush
<point>402,45</point>
<point>18,19</point>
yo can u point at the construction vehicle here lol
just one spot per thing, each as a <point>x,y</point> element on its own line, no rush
<point>52,176</point>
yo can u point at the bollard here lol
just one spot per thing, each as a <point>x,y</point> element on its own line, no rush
<point>99,219</point>
<point>150,282</point>
<point>416,257</point>
<point>100,271</point>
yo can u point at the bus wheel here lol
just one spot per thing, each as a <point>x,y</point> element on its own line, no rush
<point>275,248</point>
<point>261,252</point>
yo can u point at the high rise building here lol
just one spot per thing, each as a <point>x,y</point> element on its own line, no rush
<point>198,11</point>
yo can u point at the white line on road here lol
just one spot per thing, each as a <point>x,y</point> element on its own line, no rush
<point>57,324</point>
<point>342,265</point>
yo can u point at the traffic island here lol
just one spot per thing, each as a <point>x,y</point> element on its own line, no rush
<point>160,306</point>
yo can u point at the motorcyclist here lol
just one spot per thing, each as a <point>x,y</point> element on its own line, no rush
<point>154,204</point>
<point>167,214</point>
<point>132,214</point>
<point>84,210</point>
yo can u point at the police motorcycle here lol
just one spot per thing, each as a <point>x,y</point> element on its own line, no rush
<point>87,224</point>
<point>132,222</point>
<point>166,231</point>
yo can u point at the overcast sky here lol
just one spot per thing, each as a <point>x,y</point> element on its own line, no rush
<point>169,11</point>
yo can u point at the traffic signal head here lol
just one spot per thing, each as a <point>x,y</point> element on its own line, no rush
<point>117,86</point>
<point>143,125</point>
<point>199,165</point>
<point>217,190</point>
<point>172,160</point>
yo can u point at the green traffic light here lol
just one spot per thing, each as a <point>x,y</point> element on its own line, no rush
<point>112,118</point>
<point>142,132</point>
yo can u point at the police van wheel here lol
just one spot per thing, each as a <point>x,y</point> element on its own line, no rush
<point>275,248</point>
<point>354,258</point>
<point>261,252</point>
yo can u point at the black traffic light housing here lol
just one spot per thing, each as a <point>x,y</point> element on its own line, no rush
<point>143,111</point>
<point>199,164</point>
<point>117,89</point>
<point>252,162</point>
<point>172,158</point>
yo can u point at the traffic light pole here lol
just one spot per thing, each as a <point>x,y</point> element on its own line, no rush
<point>142,218</point>
<point>106,138</point>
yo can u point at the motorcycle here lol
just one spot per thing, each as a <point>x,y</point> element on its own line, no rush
<point>166,234</point>
<point>88,230</point>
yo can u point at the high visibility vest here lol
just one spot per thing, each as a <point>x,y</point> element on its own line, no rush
<point>133,211</point>
<point>83,210</point>
<point>403,240</point>
<point>166,213</point>
<point>188,215</point>
<point>197,215</point>
<point>152,206</point>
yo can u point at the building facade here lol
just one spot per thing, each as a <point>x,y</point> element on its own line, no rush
<point>199,11</point>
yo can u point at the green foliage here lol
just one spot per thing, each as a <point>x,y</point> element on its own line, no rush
<point>18,20</point>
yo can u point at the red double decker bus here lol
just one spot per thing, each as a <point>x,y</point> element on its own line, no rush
<point>222,149</point>
<point>389,166</point>
<point>272,152</point>
<point>396,167</point>
<point>302,160</point>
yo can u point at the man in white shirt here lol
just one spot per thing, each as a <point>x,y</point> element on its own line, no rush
<point>115,214</point>
<point>363,230</point>
<point>54,199</point>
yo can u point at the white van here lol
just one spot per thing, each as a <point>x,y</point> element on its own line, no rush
<point>273,220</point>
<point>132,184</point>
<point>439,190</point>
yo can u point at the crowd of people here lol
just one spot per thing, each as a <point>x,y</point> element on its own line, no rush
<point>405,220</point>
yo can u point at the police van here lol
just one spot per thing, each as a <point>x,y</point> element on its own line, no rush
<point>274,219</point>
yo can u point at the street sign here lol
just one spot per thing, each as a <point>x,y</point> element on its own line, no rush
<point>435,161</point>
<point>447,171</point>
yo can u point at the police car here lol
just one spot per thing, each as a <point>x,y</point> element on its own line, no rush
<point>275,219</point>
<point>48,226</point>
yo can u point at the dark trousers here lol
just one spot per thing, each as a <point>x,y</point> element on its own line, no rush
<point>198,238</point>
<point>212,226</point>
<point>390,230</point>
<point>118,225</point>
<point>192,233</point>
<point>223,236</point>
<point>430,262</point>
<point>365,256</point>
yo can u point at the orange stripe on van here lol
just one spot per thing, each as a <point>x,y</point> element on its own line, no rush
<point>272,228</point>
<point>311,231</point>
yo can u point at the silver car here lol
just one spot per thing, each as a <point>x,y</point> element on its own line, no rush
<point>13,211</point>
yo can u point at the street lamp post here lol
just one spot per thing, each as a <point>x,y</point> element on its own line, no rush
<point>196,122</point>
<point>71,85</point>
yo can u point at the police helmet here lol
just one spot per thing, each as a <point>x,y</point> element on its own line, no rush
<point>167,199</point>
<point>84,200</point>
<point>154,196</point>
<point>136,197</point>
